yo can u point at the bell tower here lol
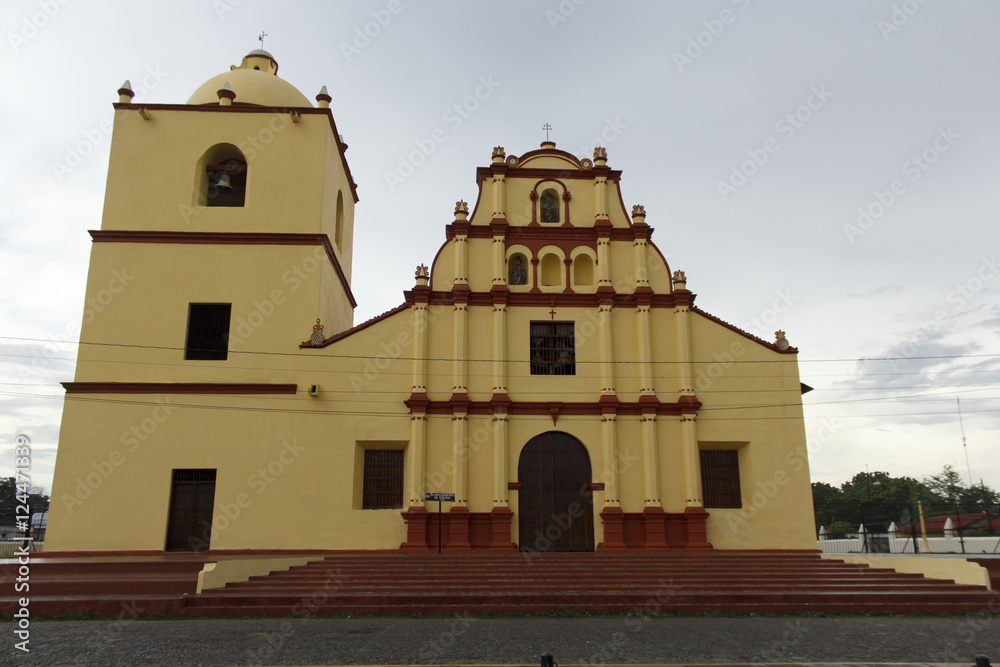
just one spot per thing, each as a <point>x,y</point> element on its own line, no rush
<point>242,197</point>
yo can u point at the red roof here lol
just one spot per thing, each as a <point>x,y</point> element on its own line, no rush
<point>935,524</point>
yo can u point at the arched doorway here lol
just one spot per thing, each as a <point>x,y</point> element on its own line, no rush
<point>555,503</point>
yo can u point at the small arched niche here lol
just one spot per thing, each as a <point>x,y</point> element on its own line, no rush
<point>222,177</point>
<point>551,270</point>
<point>583,270</point>
<point>517,269</point>
<point>548,206</point>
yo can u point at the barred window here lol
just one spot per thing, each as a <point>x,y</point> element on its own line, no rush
<point>553,348</point>
<point>720,478</point>
<point>208,331</point>
<point>383,481</point>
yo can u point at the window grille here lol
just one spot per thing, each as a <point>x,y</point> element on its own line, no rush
<point>553,348</point>
<point>208,331</point>
<point>383,482</point>
<point>720,478</point>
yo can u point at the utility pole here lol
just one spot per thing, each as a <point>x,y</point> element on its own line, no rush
<point>964,447</point>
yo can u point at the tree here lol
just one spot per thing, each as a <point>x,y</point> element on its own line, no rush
<point>947,484</point>
<point>37,500</point>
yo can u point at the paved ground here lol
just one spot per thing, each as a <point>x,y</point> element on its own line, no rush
<point>511,641</point>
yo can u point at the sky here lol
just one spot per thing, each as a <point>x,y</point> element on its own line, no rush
<point>827,169</point>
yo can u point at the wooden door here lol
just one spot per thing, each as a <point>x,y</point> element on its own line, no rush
<point>192,500</point>
<point>555,504</point>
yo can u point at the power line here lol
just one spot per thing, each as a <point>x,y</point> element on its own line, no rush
<point>447,359</point>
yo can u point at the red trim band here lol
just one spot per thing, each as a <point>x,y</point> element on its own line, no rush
<point>177,388</point>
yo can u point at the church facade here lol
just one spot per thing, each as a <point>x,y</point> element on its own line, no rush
<point>548,375</point>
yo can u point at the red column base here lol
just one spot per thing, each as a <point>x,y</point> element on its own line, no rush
<point>613,520</point>
<point>415,518</point>
<point>696,527</point>
<point>500,523</point>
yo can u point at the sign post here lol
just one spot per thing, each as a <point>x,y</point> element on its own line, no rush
<point>440,498</point>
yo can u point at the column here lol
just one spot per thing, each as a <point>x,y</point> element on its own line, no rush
<point>607,349</point>
<point>415,515</point>
<point>461,243</point>
<point>601,198</point>
<point>499,261</point>
<point>460,350</point>
<point>653,514</point>
<point>612,516</point>
<point>499,195</point>
<point>639,248</point>
<point>458,515</point>
<point>420,319</point>
<point>499,348</point>
<point>604,263</point>
<point>645,351</point>
<point>501,515</point>
<point>601,185</point>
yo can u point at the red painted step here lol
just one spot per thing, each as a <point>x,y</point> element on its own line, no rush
<point>778,582</point>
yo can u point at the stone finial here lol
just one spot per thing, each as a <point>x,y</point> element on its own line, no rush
<point>780,341</point>
<point>499,153</point>
<point>600,154</point>
<point>639,213</point>
<point>317,337</point>
<point>226,95</point>
<point>680,280</point>
<point>125,93</point>
<point>423,275</point>
<point>324,98</point>
<point>461,210</point>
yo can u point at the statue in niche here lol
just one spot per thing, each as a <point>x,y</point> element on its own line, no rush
<point>550,209</point>
<point>518,274</point>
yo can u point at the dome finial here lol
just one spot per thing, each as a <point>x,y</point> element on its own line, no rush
<point>324,98</point>
<point>125,93</point>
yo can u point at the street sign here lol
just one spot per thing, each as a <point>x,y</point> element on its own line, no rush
<point>439,498</point>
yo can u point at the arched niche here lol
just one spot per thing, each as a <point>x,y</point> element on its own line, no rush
<point>221,177</point>
<point>584,270</point>
<point>519,256</point>
<point>339,229</point>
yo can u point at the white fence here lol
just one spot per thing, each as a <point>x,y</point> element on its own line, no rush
<point>895,542</point>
